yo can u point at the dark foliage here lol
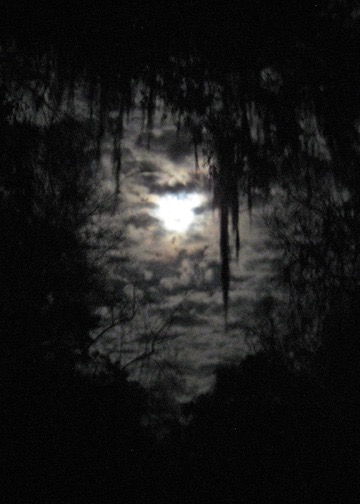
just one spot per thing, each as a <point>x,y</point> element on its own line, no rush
<point>267,435</point>
<point>46,278</point>
<point>70,438</point>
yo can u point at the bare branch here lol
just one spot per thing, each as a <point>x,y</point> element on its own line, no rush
<point>118,321</point>
<point>156,339</point>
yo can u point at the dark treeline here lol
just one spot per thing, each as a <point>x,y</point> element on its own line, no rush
<point>271,95</point>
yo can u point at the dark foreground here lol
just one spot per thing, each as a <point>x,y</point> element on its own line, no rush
<point>264,435</point>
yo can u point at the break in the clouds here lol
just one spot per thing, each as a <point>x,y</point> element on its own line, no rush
<point>173,239</point>
<point>142,220</point>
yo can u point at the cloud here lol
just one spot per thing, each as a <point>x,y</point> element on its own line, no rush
<point>184,278</point>
<point>176,145</point>
<point>148,275</point>
<point>175,187</point>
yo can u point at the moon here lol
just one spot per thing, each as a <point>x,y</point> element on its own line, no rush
<point>176,211</point>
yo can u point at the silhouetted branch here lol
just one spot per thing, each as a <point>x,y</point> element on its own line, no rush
<point>121,319</point>
<point>155,339</point>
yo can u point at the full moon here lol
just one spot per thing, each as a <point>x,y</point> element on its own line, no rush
<point>176,211</point>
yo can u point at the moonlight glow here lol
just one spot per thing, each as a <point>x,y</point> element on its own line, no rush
<point>176,211</point>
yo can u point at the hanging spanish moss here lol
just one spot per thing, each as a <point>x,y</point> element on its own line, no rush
<point>102,122</point>
<point>226,182</point>
<point>254,113</point>
<point>117,139</point>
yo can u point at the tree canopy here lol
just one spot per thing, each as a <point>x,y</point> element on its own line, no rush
<point>265,90</point>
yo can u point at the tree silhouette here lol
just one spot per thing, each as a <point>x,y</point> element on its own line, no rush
<point>259,100</point>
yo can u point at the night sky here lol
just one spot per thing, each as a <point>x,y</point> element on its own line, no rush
<point>172,238</point>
